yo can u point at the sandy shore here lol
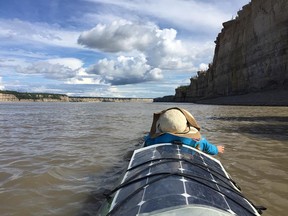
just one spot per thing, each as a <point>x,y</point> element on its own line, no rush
<point>267,98</point>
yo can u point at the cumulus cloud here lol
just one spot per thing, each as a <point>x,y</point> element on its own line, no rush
<point>193,14</point>
<point>71,63</point>
<point>125,70</point>
<point>145,53</point>
<point>119,36</point>
<point>160,46</point>
<point>58,69</point>
<point>168,52</point>
<point>154,50</point>
<point>203,67</point>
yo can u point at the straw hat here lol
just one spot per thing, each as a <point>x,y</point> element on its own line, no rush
<point>175,121</point>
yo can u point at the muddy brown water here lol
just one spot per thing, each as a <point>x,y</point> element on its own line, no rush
<point>57,158</point>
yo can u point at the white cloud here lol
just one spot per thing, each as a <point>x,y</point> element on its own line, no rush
<point>59,69</point>
<point>80,76</point>
<point>192,15</point>
<point>1,84</point>
<point>119,36</point>
<point>11,62</point>
<point>152,52</point>
<point>161,47</point>
<point>16,31</point>
<point>71,63</point>
<point>125,70</point>
<point>167,52</point>
<point>95,91</point>
<point>203,66</point>
<point>84,80</point>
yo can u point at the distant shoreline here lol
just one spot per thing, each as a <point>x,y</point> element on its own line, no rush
<point>13,96</point>
<point>266,98</point>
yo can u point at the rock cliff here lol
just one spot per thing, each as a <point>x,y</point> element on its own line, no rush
<point>251,55</point>
<point>32,97</point>
<point>8,97</point>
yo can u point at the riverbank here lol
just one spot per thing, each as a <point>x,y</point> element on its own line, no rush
<point>267,98</point>
<point>13,96</point>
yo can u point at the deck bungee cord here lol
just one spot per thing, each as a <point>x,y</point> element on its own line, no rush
<point>172,160</point>
<point>191,177</point>
<point>168,179</point>
<point>196,178</point>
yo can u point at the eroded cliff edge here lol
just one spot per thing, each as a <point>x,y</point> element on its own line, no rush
<point>250,57</point>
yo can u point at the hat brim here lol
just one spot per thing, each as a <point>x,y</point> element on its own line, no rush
<point>193,131</point>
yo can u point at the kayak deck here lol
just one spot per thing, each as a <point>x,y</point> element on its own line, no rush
<point>166,176</point>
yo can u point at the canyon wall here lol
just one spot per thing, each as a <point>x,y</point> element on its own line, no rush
<point>251,55</point>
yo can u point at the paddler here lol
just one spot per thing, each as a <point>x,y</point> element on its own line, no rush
<point>177,125</point>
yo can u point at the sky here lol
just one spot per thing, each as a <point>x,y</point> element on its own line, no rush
<point>108,48</point>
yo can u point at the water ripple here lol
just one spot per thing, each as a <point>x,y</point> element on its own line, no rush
<point>59,158</point>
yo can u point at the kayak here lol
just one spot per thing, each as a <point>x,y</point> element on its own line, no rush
<point>170,179</point>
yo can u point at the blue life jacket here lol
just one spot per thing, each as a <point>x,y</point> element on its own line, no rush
<point>202,144</point>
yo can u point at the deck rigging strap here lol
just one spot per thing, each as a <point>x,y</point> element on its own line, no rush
<point>187,161</point>
<point>167,174</point>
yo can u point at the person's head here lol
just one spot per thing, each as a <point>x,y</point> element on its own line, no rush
<point>175,121</point>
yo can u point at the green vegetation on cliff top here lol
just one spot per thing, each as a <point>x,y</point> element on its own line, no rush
<point>183,88</point>
<point>33,96</point>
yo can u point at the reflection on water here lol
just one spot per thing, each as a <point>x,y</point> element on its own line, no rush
<point>265,119</point>
<point>59,158</point>
<point>275,127</point>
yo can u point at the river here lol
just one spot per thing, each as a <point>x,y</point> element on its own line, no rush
<point>58,158</point>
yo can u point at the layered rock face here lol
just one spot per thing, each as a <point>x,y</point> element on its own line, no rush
<point>39,98</point>
<point>8,97</point>
<point>251,54</point>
